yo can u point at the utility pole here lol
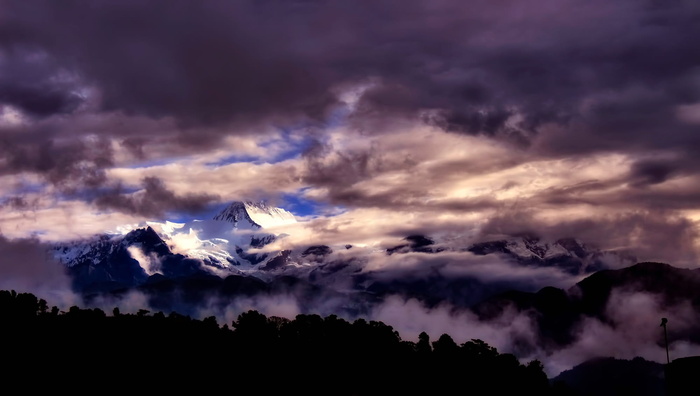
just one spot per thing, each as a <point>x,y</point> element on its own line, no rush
<point>663,323</point>
<point>667,371</point>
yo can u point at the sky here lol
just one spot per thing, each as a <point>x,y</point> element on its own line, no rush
<point>577,118</point>
<point>369,120</point>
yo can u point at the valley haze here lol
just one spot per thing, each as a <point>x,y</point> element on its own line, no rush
<point>521,173</point>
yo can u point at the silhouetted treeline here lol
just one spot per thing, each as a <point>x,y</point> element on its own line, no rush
<point>87,350</point>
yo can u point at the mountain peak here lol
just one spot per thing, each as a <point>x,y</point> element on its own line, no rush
<point>234,213</point>
<point>259,214</point>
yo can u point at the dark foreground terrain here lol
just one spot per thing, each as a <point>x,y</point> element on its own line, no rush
<point>87,350</point>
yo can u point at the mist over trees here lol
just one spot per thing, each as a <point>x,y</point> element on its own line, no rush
<point>87,350</point>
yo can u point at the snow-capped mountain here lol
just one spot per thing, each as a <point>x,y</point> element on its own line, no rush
<point>225,240</point>
<point>113,262</point>
<point>220,246</point>
<point>230,254</point>
<point>257,214</point>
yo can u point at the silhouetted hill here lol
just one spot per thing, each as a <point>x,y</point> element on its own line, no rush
<point>321,355</point>
<point>614,377</point>
<point>557,312</point>
<point>682,376</point>
<point>636,377</point>
<point>87,350</point>
<point>672,283</point>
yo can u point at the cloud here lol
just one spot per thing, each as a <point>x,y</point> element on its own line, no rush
<point>647,235</point>
<point>150,263</point>
<point>129,302</point>
<point>258,63</point>
<point>227,182</point>
<point>538,83</point>
<point>27,267</point>
<point>634,331</point>
<point>201,63</point>
<point>651,172</point>
<point>50,220</point>
<point>67,164</point>
<point>489,269</point>
<point>154,200</point>
<point>35,86</point>
<point>409,317</point>
<point>408,168</point>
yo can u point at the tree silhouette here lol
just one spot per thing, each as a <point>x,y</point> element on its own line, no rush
<point>307,354</point>
<point>423,345</point>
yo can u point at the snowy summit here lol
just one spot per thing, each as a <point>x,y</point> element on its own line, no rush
<point>259,214</point>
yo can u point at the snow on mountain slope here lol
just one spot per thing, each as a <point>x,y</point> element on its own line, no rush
<point>84,251</point>
<point>258,214</point>
<point>222,243</point>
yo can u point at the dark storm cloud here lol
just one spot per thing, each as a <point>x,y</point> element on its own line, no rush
<point>38,99</point>
<point>153,200</point>
<point>327,167</point>
<point>567,77</point>
<point>64,163</point>
<point>603,59</point>
<point>471,63</point>
<point>200,62</point>
<point>652,172</point>
<point>34,84</point>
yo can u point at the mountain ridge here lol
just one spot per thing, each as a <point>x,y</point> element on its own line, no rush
<point>228,244</point>
<point>558,312</point>
<point>222,267</point>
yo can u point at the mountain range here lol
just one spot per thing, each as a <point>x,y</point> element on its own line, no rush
<point>230,244</point>
<point>211,263</point>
